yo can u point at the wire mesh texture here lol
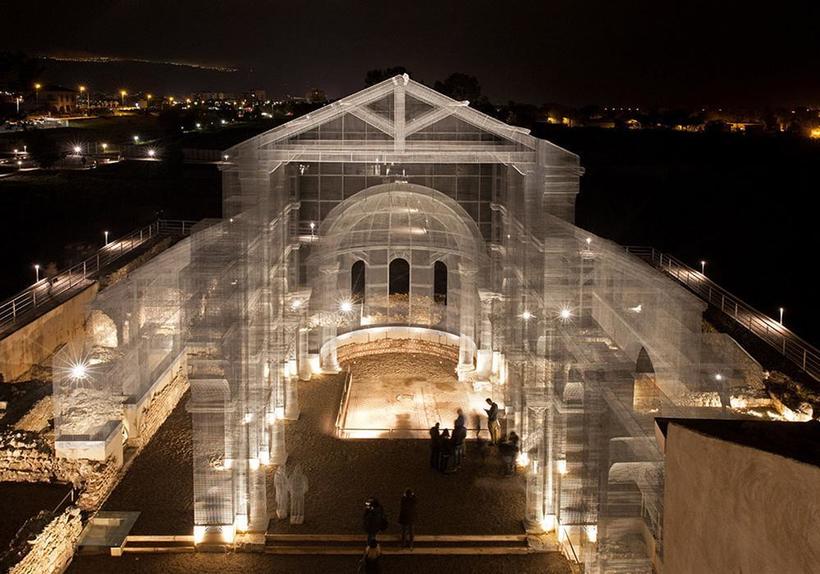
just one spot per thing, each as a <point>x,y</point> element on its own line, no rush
<point>400,206</point>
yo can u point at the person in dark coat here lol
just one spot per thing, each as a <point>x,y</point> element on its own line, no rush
<point>371,562</point>
<point>460,420</point>
<point>374,519</point>
<point>459,436</point>
<point>445,464</point>
<point>508,449</point>
<point>407,517</point>
<point>435,445</point>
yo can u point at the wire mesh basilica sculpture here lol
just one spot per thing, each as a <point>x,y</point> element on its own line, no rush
<point>398,206</point>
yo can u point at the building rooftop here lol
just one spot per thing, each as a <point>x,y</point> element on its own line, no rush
<point>798,441</point>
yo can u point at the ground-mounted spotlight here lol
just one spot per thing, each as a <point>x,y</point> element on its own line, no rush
<point>565,314</point>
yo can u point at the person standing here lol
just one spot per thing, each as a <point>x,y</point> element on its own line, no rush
<point>435,445</point>
<point>371,562</point>
<point>374,518</point>
<point>492,421</point>
<point>407,518</point>
<point>445,463</point>
<point>460,420</point>
<point>458,440</point>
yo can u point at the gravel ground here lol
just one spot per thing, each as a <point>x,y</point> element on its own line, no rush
<point>160,481</point>
<point>343,473</point>
<point>552,563</point>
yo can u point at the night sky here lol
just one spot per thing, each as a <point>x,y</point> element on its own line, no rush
<point>643,52</point>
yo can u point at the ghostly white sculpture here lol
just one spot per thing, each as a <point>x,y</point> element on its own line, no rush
<point>282,485</point>
<point>298,488</point>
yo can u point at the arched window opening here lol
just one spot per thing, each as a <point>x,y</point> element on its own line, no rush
<point>357,281</point>
<point>440,283</point>
<point>399,277</point>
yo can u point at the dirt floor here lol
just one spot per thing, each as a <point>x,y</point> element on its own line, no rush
<point>160,481</point>
<point>343,473</point>
<point>552,563</point>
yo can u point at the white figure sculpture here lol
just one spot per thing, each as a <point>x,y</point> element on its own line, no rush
<point>298,488</point>
<point>282,485</point>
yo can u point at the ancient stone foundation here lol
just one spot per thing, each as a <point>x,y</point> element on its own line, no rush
<point>52,549</point>
<point>381,346</point>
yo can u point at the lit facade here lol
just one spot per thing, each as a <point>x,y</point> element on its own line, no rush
<point>398,206</point>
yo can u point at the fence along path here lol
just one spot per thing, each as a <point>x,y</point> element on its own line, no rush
<point>17,310</point>
<point>791,346</point>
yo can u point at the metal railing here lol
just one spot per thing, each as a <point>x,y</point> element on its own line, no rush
<point>48,289</point>
<point>792,347</point>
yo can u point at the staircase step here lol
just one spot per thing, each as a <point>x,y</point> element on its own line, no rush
<point>388,550</point>
<point>272,536</point>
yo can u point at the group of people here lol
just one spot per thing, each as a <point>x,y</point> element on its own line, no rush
<point>447,450</point>
<point>375,520</point>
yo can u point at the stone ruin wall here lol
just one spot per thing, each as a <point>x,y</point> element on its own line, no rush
<point>352,351</point>
<point>53,548</point>
<point>161,406</point>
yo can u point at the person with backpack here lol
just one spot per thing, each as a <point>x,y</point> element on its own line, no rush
<point>374,519</point>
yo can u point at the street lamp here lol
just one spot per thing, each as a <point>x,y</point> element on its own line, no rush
<point>151,153</point>
<point>36,273</point>
<point>37,93</point>
<point>105,233</point>
<point>136,139</point>
<point>77,149</point>
<point>87,102</point>
<point>781,316</point>
<point>148,99</point>
<point>123,93</point>
<point>703,268</point>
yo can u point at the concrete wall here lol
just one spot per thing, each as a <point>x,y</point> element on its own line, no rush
<point>36,341</point>
<point>734,509</point>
